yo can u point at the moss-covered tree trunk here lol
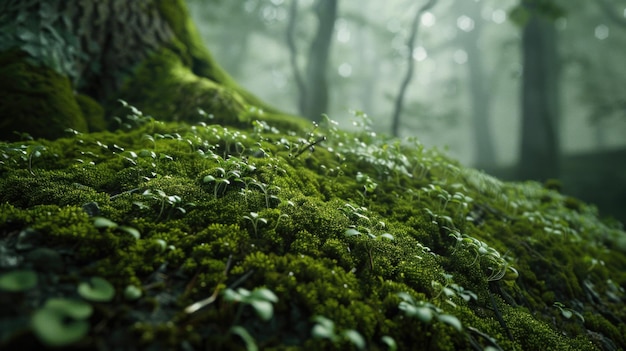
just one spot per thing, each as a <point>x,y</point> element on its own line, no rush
<point>65,64</point>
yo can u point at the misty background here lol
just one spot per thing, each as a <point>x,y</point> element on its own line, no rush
<point>524,89</point>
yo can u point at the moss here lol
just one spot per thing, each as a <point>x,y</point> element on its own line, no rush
<point>35,100</point>
<point>194,242</point>
<point>93,112</point>
<point>202,63</point>
<point>180,93</point>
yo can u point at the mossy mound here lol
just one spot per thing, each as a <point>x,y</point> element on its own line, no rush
<point>215,238</point>
<point>35,99</point>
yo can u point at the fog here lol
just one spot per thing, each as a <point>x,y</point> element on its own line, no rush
<point>468,69</point>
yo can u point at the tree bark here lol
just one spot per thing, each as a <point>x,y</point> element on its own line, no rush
<point>539,151</point>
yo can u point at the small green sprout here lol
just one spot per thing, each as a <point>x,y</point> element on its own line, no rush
<point>261,299</point>
<point>324,328</point>
<point>175,202</point>
<point>390,342</point>
<point>255,219</point>
<point>450,289</point>
<point>97,290</point>
<point>266,190</point>
<point>19,280</point>
<point>61,322</point>
<point>102,223</point>
<point>132,293</point>
<point>425,311</point>
<point>33,151</point>
<point>245,336</point>
<point>368,246</point>
<point>282,215</point>
<point>369,185</point>
<point>568,312</point>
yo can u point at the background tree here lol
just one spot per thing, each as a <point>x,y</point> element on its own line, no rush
<point>540,149</point>
<point>479,84</point>
<point>313,85</point>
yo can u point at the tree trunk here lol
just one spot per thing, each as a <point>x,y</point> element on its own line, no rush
<point>92,53</point>
<point>317,101</point>
<point>539,158</point>
<point>480,97</point>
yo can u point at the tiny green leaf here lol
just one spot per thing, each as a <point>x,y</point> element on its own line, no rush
<point>324,329</point>
<point>355,338</point>
<point>61,322</point>
<point>352,232</point>
<point>19,280</point>
<point>450,320</point>
<point>264,294</point>
<point>101,222</point>
<point>390,342</point>
<point>263,309</point>
<point>97,290</point>
<point>132,293</point>
<point>387,236</point>
<point>130,230</point>
<point>247,338</point>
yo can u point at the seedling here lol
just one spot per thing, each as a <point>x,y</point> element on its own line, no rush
<point>324,328</point>
<point>369,185</point>
<point>282,215</point>
<point>61,322</point>
<point>245,336</point>
<point>97,290</point>
<point>255,219</point>
<point>568,312</point>
<point>175,202</point>
<point>102,223</point>
<point>450,289</point>
<point>261,300</point>
<point>266,190</point>
<point>369,247</point>
<point>18,280</point>
<point>33,151</point>
<point>425,311</point>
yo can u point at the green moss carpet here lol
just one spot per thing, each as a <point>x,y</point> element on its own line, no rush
<point>204,237</point>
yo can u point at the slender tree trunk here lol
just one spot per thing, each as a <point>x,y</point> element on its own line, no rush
<point>313,87</point>
<point>316,74</point>
<point>293,56</point>
<point>539,159</point>
<point>479,92</point>
<point>399,104</point>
